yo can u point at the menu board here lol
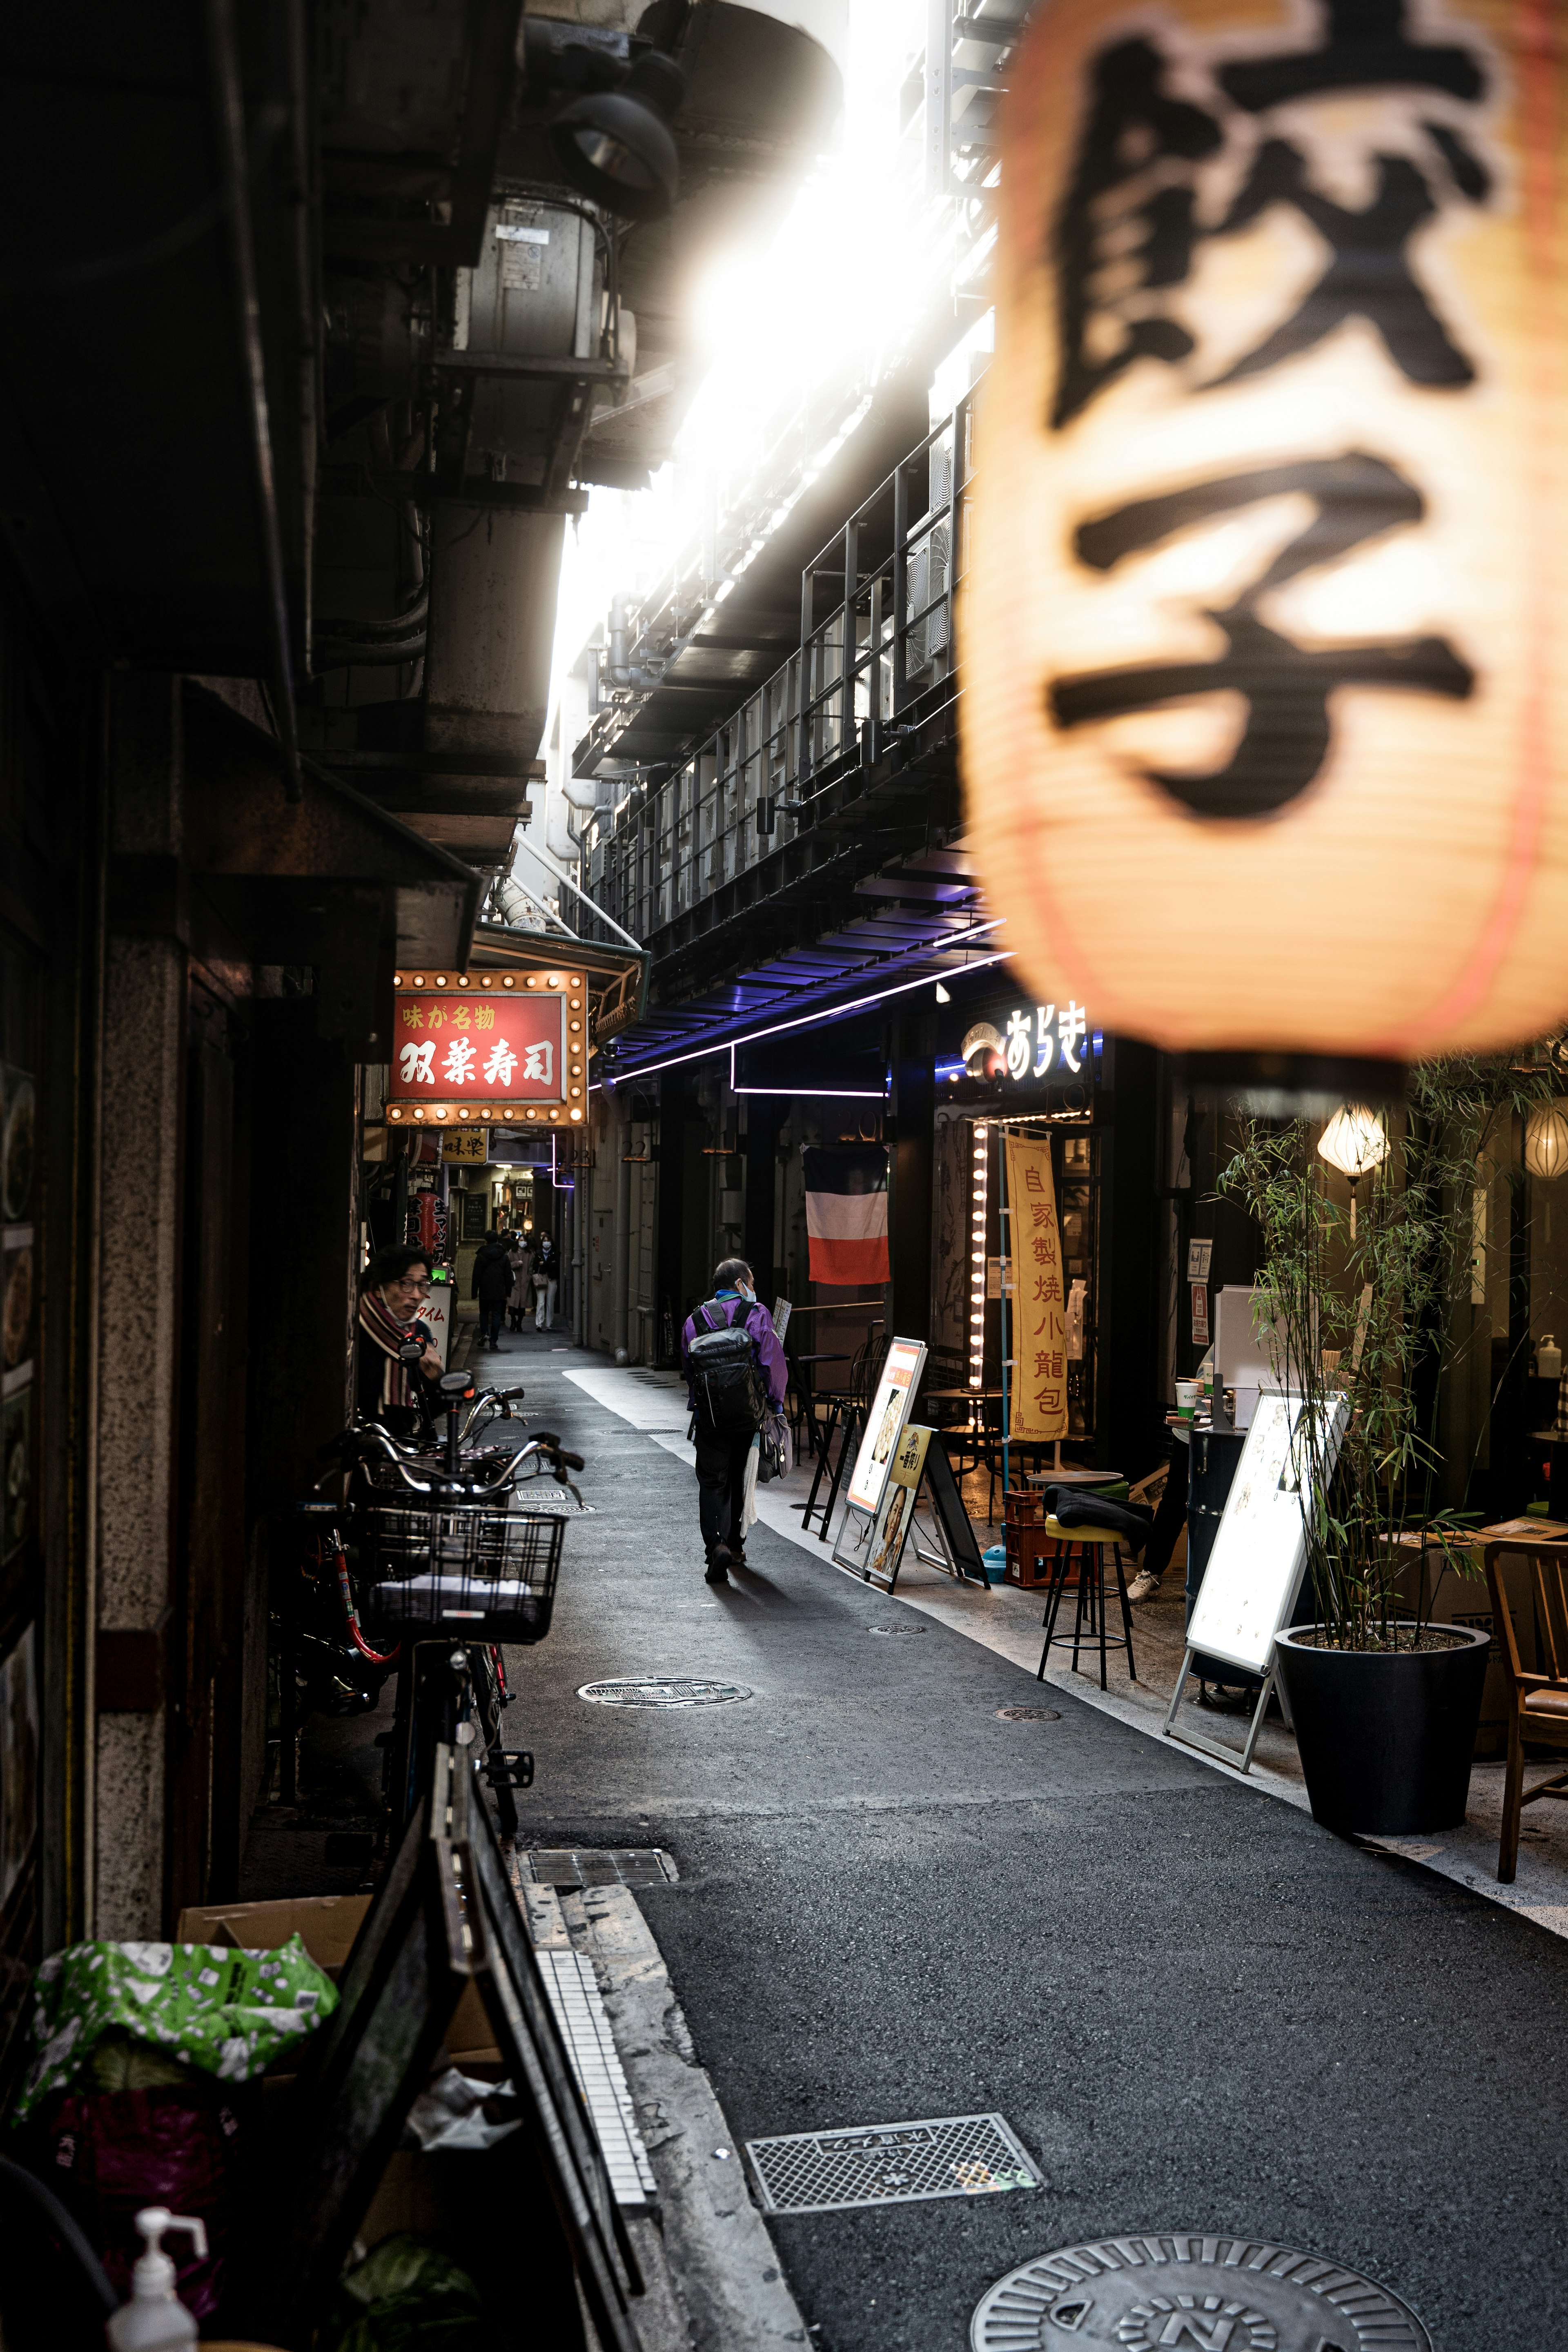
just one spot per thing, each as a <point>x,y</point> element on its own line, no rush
<point>1255,1570</point>
<point>901,1368</point>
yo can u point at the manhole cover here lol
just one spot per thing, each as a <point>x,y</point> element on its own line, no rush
<point>1028,1714</point>
<point>662,1690</point>
<point>896,1629</point>
<point>889,2164</point>
<point>1187,2290</point>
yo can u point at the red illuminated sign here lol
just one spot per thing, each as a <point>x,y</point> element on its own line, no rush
<point>500,1045</point>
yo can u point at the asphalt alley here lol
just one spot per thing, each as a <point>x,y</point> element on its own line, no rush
<point>1196,2009</point>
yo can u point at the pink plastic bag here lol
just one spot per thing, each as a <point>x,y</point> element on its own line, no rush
<point>108,2153</point>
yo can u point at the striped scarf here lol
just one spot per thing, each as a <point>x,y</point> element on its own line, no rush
<point>378,1325</point>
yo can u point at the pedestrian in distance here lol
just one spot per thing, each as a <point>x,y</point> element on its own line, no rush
<point>520,1257</point>
<point>492,1287</point>
<point>546,1267</point>
<point>735,1377</point>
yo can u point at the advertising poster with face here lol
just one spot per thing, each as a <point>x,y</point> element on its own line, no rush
<point>896,1516</point>
<point>891,1408</point>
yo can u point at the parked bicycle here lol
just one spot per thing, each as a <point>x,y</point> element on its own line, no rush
<point>453,1553</point>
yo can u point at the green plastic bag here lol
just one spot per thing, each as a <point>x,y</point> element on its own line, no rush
<point>405,2293</point>
<point>225,2012</point>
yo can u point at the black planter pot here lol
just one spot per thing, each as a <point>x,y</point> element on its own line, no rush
<point>1385,1737</point>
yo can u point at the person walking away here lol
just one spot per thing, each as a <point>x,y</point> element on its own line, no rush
<point>545,1268</point>
<point>520,1257</point>
<point>391,1289</point>
<point>729,1388</point>
<point>492,1288</point>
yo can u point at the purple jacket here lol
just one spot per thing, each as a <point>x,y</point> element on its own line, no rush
<point>769,1349</point>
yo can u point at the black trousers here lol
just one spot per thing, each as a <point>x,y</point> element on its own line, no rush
<point>1171,1517</point>
<point>721,1486</point>
<point>492,1315</point>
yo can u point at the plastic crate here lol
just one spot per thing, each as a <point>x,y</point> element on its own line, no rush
<point>476,1570</point>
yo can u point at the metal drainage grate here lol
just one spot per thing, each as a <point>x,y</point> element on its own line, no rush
<point>1028,1714</point>
<point>619,1866</point>
<point>896,1629</point>
<point>662,1690</point>
<point>1187,2289</point>
<point>889,2164</point>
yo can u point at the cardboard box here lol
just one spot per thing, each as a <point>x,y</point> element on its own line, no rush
<point>327,1925</point>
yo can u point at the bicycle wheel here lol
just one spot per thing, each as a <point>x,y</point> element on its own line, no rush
<point>426,1713</point>
<point>488,1712</point>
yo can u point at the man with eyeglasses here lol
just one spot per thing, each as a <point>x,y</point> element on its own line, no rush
<point>392,1289</point>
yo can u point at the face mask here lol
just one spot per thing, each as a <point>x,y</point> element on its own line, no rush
<point>747,1293</point>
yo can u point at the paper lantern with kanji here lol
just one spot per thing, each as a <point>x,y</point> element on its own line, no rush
<point>1263,736</point>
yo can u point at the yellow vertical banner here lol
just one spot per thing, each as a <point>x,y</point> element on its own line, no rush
<point>1039,1405</point>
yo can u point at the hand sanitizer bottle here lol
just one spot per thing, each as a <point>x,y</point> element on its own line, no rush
<point>156,2316</point>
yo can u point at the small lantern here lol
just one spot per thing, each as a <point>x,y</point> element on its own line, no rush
<point>1265,726</point>
<point>1355,1142</point>
<point>1546,1139</point>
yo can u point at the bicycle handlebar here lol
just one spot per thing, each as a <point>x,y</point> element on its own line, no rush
<point>481,1480</point>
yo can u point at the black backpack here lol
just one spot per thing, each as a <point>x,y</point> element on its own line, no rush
<point>726,1379</point>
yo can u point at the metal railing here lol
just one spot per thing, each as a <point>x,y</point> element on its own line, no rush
<point>885,654</point>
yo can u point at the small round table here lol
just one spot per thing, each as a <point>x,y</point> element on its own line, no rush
<point>1072,1477</point>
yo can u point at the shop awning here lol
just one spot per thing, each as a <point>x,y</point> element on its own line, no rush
<point>617,976</point>
<point>332,880</point>
<point>877,955</point>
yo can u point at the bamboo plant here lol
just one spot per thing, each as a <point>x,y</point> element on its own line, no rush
<point>1363,1328</point>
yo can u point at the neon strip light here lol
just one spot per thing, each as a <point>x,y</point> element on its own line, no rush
<point>822,1019</point>
<point>977,1205</point>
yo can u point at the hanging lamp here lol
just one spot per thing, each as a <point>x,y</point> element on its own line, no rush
<point>1355,1142</point>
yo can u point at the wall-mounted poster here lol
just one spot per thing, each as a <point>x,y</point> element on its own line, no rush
<point>18,1762</point>
<point>16,1471</point>
<point>890,1407</point>
<point>18,1268</point>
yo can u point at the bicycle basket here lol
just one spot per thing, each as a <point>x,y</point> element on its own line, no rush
<point>473,1570</point>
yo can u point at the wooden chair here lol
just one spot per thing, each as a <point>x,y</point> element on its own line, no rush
<point>1539,1702</point>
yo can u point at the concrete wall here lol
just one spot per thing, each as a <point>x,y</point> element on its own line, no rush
<point>138,1297</point>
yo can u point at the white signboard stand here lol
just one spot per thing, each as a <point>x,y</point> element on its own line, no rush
<point>1260,1556</point>
<point>891,1408</point>
<point>878,1439</point>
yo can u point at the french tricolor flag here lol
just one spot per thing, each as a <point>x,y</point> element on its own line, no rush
<point>847,1211</point>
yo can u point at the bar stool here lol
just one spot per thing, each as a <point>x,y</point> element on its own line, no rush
<point>1091,1544</point>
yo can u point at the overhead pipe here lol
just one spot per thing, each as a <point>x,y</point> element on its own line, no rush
<point>413,614</point>
<point>618,669</point>
<point>227,97</point>
<point>367,653</point>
